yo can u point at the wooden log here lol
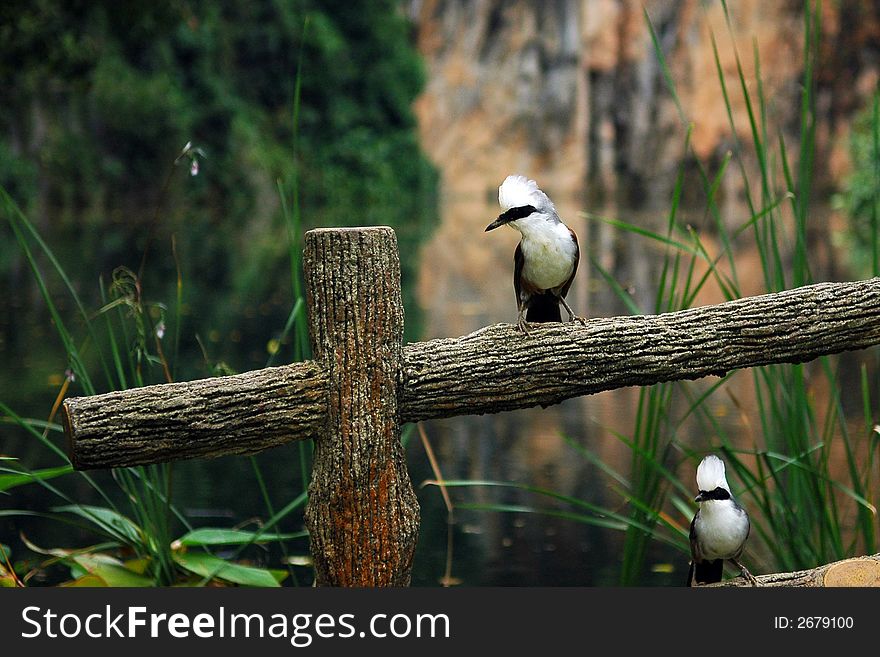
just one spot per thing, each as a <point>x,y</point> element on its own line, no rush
<point>362,513</point>
<point>492,370</point>
<point>857,571</point>
<point>499,369</point>
<point>238,414</point>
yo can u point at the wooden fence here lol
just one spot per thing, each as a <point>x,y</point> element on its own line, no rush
<point>364,383</point>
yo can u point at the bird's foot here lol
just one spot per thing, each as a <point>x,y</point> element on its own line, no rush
<point>746,574</point>
<point>571,316</point>
<point>523,326</point>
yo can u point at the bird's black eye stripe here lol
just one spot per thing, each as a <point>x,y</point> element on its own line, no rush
<point>518,213</point>
<point>717,494</point>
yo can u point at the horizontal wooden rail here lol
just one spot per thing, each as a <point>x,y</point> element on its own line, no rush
<point>494,369</point>
<point>239,414</point>
<point>857,571</point>
<point>498,369</point>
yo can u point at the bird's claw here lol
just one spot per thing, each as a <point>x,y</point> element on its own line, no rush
<point>745,574</point>
<point>571,316</point>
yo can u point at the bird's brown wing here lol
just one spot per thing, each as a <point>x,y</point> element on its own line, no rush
<point>577,256</point>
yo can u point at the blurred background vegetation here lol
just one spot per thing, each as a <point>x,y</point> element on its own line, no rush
<point>705,140</point>
<point>98,101</point>
<point>100,97</point>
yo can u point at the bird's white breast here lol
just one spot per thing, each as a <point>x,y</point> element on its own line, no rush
<point>548,252</point>
<point>722,529</point>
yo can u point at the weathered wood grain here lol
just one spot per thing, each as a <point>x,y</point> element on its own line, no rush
<point>362,513</point>
<point>492,370</point>
<point>238,414</point>
<point>858,571</point>
<point>498,369</point>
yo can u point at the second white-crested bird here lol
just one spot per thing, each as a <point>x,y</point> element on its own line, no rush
<point>720,527</point>
<point>546,258</point>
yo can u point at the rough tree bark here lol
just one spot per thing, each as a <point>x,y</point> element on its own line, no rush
<point>497,369</point>
<point>858,571</point>
<point>491,370</point>
<point>362,514</point>
<point>238,414</point>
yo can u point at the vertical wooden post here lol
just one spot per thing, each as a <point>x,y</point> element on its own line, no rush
<point>362,513</point>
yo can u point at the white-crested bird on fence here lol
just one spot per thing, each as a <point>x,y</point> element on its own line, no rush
<point>546,258</point>
<point>720,527</point>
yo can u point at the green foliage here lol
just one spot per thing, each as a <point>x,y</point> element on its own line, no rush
<point>96,566</point>
<point>209,566</point>
<point>12,477</point>
<point>802,512</point>
<point>147,533</point>
<point>209,536</point>
<point>298,115</point>
<point>860,197</point>
<point>101,99</point>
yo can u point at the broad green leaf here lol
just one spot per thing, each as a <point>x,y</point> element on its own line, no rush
<point>208,565</point>
<point>86,581</point>
<point>111,522</point>
<point>7,579</point>
<point>109,569</point>
<point>138,566</point>
<point>210,536</point>
<point>120,576</point>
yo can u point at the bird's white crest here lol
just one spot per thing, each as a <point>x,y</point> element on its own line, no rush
<point>517,191</point>
<point>710,474</point>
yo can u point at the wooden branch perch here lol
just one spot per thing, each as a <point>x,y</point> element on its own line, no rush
<point>494,369</point>
<point>858,571</point>
<point>238,414</point>
<point>498,369</point>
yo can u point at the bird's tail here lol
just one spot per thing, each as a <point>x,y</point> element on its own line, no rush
<point>543,308</point>
<point>705,572</point>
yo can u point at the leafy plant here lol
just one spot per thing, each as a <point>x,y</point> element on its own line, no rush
<point>281,112</point>
<point>127,333</point>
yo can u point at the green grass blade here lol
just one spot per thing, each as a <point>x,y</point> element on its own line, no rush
<point>15,478</point>
<point>664,67</point>
<point>621,293</point>
<point>19,221</point>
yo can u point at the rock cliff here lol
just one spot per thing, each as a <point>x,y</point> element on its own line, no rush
<point>572,93</point>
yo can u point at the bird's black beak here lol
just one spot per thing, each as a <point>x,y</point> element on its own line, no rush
<point>700,497</point>
<point>505,218</point>
<point>511,215</point>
